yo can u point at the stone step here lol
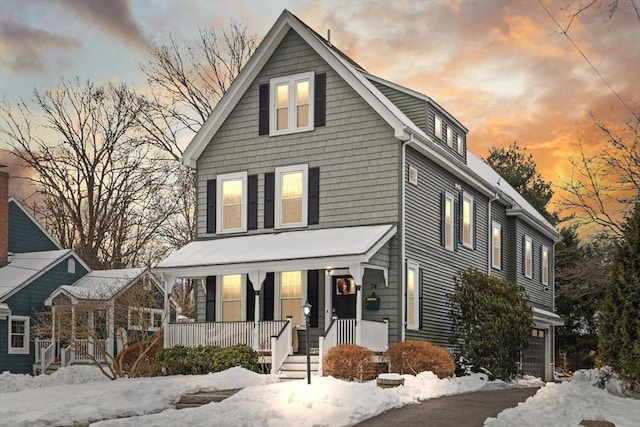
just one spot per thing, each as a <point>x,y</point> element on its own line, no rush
<point>193,400</point>
<point>302,358</point>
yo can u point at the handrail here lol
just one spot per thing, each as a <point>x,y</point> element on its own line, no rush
<point>66,355</point>
<point>46,358</point>
<point>281,346</point>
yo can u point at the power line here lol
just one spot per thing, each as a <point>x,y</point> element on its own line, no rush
<point>588,61</point>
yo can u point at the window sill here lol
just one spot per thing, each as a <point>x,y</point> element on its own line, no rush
<point>18,351</point>
<point>290,131</point>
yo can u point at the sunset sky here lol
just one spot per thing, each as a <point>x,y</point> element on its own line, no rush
<point>503,68</point>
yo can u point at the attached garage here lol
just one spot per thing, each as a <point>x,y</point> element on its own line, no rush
<point>537,360</point>
<point>533,358</point>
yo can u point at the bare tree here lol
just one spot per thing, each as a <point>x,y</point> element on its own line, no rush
<point>605,186</point>
<point>93,326</point>
<point>99,179</point>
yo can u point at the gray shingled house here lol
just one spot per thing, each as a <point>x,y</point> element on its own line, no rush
<point>320,182</point>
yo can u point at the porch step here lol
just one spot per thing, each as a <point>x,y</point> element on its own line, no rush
<point>52,368</point>
<point>200,398</point>
<point>295,367</point>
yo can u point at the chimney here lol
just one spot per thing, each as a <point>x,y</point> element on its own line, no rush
<point>4,216</point>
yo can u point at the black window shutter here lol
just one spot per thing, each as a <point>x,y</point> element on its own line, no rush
<point>420,315</point>
<point>458,235</point>
<point>263,110</point>
<point>540,252</point>
<point>251,302</point>
<point>211,206</point>
<point>210,307</point>
<point>524,255</point>
<point>460,211</point>
<point>501,248</point>
<point>533,261</point>
<point>269,195</point>
<point>252,202</point>
<point>267,291</point>
<point>312,296</point>
<point>320,94</point>
<point>475,223</point>
<point>313,204</point>
<point>443,222</point>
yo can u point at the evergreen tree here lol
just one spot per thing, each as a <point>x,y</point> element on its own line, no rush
<point>619,323</point>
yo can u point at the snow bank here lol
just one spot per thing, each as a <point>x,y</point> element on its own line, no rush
<point>70,375</point>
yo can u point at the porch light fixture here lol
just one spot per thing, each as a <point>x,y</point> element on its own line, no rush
<point>306,309</point>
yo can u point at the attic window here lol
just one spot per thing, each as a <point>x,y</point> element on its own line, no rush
<point>438,127</point>
<point>291,104</point>
<point>71,266</point>
<point>413,175</point>
<point>449,137</point>
<point>460,146</point>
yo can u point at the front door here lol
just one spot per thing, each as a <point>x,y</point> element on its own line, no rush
<point>344,297</point>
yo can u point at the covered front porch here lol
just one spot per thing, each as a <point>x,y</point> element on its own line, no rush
<point>251,290</point>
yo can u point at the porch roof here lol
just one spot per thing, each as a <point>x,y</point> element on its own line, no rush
<point>543,317</point>
<point>283,250</point>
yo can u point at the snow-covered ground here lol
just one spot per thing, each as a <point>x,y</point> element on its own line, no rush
<point>80,395</point>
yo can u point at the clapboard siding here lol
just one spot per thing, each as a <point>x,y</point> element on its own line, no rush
<point>534,288</point>
<point>24,233</point>
<point>28,301</point>
<point>499,215</point>
<point>438,265</point>
<point>356,151</point>
<point>414,108</point>
<point>457,131</point>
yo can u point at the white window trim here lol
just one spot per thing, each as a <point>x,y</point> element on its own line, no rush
<point>146,310</point>
<point>449,136</point>
<point>497,264</point>
<point>27,325</point>
<point>413,175</point>
<point>460,146</point>
<point>273,94</point>
<point>243,298</point>
<point>450,246</point>
<point>469,198</point>
<point>71,266</point>
<point>528,261</point>
<point>411,265</point>
<point>278,195</point>
<point>219,206</point>
<point>277,295</point>
<point>437,129</point>
<point>544,267</point>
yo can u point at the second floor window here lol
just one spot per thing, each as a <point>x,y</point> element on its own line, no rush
<point>448,221</point>
<point>291,104</point>
<point>496,245</point>
<point>291,196</point>
<point>467,220</point>
<point>232,202</point>
<point>527,250</point>
<point>544,265</point>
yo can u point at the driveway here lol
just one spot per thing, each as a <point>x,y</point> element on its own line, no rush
<point>462,410</point>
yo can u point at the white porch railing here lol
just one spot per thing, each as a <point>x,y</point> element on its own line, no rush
<point>46,357</point>
<point>375,335</point>
<point>222,334</point>
<point>65,356</point>
<point>340,331</point>
<point>281,346</point>
<point>40,346</point>
<point>86,350</point>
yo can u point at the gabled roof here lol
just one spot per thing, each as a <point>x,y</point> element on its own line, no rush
<point>35,222</point>
<point>361,82</point>
<point>24,268</point>
<point>102,285</point>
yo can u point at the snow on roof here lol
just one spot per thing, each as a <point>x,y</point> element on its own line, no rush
<point>494,179</point>
<point>102,284</point>
<point>26,267</point>
<point>290,245</point>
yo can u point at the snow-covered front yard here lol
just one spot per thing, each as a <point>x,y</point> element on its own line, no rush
<point>81,394</point>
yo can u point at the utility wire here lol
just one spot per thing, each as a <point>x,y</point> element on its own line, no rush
<point>588,61</point>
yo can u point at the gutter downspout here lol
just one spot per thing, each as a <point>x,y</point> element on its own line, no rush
<point>402,266</point>
<point>490,228</point>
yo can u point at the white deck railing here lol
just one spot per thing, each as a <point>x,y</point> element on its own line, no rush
<point>66,356</point>
<point>281,346</point>
<point>86,350</point>
<point>222,334</point>
<point>46,357</point>
<point>375,335</point>
<point>40,346</point>
<point>340,331</point>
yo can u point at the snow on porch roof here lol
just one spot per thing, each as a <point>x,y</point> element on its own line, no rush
<point>274,247</point>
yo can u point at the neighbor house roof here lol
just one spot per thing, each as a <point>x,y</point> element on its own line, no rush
<point>101,284</point>
<point>280,251</point>
<point>404,129</point>
<point>24,268</point>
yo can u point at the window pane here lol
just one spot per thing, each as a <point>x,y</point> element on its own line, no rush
<point>292,198</point>
<point>448,238</point>
<point>292,307</point>
<point>232,217</point>
<point>292,211</point>
<point>302,116</point>
<point>232,204</point>
<point>232,192</point>
<point>411,277</point>
<point>466,221</point>
<point>528,257</point>
<point>302,93</point>
<point>291,284</point>
<point>283,118</point>
<point>17,327</point>
<point>438,127</point>
<point>283,96</point>
<point>230,311</point>
<point>231,287</point>
<point>449,137</point>
<point>292,185</point>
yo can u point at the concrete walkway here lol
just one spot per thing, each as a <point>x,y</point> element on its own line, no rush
<point>462,410</point>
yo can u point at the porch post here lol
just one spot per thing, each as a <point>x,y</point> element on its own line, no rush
<point>169,283</point>
<point>356,272</point>
<point>73,329</point>
<point>111,330</point>
<point>53,329</point>
<point>256,277</point>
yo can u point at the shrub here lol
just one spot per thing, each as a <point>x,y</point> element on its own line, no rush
<point>350,362</point>
<point>413,357</point>
<point>133,364</point>
<point>491,322</point>
<point>202,360</point>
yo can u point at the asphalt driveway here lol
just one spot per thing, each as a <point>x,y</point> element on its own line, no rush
<point>462,410</point>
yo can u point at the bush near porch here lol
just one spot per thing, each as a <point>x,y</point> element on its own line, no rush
<point>202,360</point>
<point>350,362</point>
<point>413,357</point>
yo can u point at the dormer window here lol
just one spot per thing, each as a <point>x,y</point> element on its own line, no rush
<point>460,146</point>
<point>438,127</point>
<point>291,104</point>
<point>449,137</point>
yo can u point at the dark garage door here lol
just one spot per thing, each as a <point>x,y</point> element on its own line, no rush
<point>533,359</point>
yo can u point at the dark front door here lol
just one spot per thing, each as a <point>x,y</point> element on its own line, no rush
<point>344,297</point>
<point>533,357</point>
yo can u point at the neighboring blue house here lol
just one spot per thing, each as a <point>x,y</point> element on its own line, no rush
<point>320,182</point>
<point>36,266</point>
